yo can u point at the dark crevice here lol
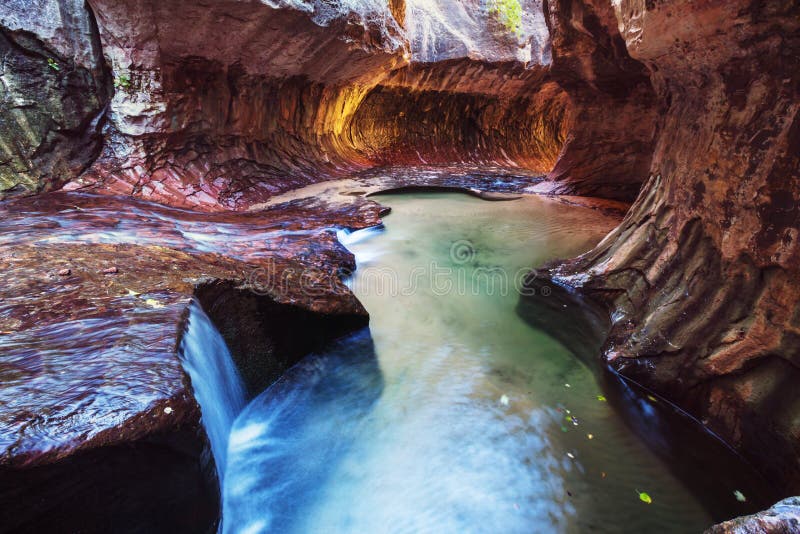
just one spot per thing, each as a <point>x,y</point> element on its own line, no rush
<point>266,337</point>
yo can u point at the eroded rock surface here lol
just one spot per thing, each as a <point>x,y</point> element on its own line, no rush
<point>95,291</point>
<point>221,105</point>
<point>701,277</point>
<point>614,114</point>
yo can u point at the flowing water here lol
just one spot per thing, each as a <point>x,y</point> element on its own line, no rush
<point>451,413</point>
<point>217,385</point>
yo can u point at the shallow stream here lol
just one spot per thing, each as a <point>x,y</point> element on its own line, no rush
<point>451,413</point>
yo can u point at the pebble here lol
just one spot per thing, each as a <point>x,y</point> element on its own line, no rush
<point>111,270</point>
<point>167,410</point>
<point>64,272</point>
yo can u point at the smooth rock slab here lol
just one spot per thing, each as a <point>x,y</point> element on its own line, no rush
<point>88,357</point>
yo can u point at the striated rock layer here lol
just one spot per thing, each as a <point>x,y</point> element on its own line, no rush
<point>220,105</point>
<point>702,275</point>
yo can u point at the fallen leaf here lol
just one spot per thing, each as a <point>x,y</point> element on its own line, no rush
<point>567,386</point>
<point>571,419</point>
<point>739,496</point>
<point>504,400</point>
<point>601,398</point>
<point>153,303</point>
<point>644,497</point>
<point>132,293</point>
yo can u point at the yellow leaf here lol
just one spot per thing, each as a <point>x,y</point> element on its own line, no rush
<point>153,303</point>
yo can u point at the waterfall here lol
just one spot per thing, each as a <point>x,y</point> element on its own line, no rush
<point>217,385</point>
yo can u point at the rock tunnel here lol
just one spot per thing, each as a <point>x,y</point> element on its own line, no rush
<point>684,114</point>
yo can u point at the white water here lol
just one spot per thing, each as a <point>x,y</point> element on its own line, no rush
<point>217,385</point>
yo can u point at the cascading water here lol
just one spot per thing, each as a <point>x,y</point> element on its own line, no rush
<point>217,385</point>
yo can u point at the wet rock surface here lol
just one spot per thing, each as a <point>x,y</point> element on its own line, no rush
<point>95,291</point>
<point>782,518</point>
<point>87,351</point>
<point>94,296</point>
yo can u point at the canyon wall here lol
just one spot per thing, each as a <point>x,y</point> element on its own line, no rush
<point>702,275</point>
<point>614,112</point>
<point>53,93</point>
<point>222,105</point>
<point>234,100</point>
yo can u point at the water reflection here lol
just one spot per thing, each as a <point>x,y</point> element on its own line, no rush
<point>82,218</point>
<point>711,470</point>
